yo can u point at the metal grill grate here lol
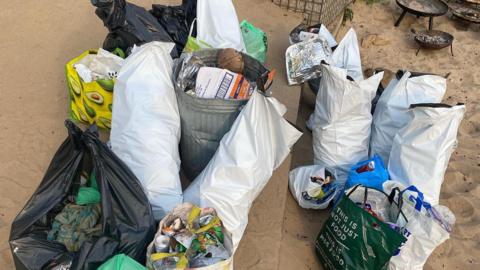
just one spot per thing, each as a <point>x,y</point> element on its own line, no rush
<point>316,11</point>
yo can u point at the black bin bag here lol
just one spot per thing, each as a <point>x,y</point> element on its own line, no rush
<point>176,20</point>
<point>129,25</point>
<point>127,224</point>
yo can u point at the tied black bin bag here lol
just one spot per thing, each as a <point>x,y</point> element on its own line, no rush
<point>130,25</point>
<point>176,20</point>
<point>127,224</point>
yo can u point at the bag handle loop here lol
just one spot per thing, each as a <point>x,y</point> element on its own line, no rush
<point>418,200</point>
<point>191,27</point>
<point>74,134</point>
<point>391,198</point>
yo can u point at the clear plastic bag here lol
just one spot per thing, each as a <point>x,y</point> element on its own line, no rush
<point>306,189</point>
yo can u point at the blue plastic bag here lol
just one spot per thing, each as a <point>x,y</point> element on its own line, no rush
<point>373,174</point>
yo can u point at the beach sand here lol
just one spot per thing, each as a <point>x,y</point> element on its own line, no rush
<point>39,37</point>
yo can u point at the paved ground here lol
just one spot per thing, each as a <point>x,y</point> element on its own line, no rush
<point>38,38</point>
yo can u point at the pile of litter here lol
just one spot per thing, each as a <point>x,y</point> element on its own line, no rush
<point>184,89</point>
<point>380,156</point>
<point>178,88</point>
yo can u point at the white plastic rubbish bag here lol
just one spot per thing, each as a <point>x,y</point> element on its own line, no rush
<point>324,33</point>
<point>342,120</point>
<point>309,192</point>
<point>258,142</point>
<point>347,56</point>
<point>427,228</point>
<point>421,150</point>
<point>391,113</point>
<point>217,24</point>
<point>146,124</point>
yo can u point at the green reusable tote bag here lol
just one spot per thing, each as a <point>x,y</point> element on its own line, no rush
<point>354,239</point>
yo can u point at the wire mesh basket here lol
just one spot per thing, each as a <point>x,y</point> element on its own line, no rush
<point>316,11</point>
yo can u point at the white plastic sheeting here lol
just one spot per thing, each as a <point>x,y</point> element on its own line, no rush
<point>146,124</point>
<point>342,120</point>
<point>258,142</point>
<point>391,113</point>
<point>421,150</point>
<point>299,182</point>
<point>426,231</point>
<point>217,24</point>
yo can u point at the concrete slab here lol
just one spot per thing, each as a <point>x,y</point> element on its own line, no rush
<point>39,37</point>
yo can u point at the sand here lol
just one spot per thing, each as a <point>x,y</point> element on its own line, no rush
<point>39,37</point>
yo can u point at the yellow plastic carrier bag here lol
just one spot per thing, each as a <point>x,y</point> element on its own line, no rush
<point>89,102</point>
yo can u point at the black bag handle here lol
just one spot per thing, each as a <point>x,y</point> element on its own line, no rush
<point>93,129</point>
<point>262,80</point>
<point>434,105</point>
<point>390,197</point>
<point>75,134</point>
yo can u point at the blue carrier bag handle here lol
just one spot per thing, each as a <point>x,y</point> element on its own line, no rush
<point>419,200</point>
